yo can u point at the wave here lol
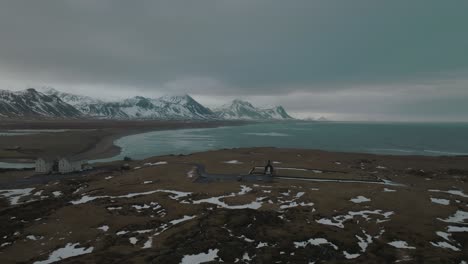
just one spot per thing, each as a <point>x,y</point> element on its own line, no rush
<point>419,152</point>
<point>446,153</point>
<point>394,150</point>
<point>270,134</point>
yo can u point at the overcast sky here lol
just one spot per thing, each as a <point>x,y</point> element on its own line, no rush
<point>346,60</point>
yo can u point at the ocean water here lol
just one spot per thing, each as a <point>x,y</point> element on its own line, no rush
<point>8,165</point>
<point>429,139</point>
<point>22,132</point>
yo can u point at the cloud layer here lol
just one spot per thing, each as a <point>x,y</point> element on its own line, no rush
<point>363,59</point>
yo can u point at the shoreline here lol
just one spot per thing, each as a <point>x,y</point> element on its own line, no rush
<point>100,137</point>
<point>95,141</point>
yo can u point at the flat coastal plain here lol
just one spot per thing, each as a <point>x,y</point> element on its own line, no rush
<point>414,210</point>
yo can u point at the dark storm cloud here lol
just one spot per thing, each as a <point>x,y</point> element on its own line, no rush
<point>226,47</point>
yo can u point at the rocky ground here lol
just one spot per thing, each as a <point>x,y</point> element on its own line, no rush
<point>158,212</point>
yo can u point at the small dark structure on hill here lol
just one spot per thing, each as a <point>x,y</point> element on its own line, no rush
<point>269,168</point>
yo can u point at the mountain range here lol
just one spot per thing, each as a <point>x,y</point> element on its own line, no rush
<point>51,103</point>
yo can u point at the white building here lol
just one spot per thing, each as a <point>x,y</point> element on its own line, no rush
<point>62,165</point>
<point>44,166</point>
<point>68,165</point>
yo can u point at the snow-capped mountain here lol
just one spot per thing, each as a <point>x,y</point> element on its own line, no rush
<point>184,106</point>
<point>80,102</point>
<point>168,107</point>
<point>242,110</point>
<point>70,98</point>
<point>31,103</point>
<point>55,104</point>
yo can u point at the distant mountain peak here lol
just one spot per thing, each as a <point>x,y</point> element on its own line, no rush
<point>239,102</point>
<point>184,98</point>
<point>244,110</point>
<point>31,90</point>
<point>48,90</point>
<point>31,103</point>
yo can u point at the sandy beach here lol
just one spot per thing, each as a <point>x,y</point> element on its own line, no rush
<point>84,139</point>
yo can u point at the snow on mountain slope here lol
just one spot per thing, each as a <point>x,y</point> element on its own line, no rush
<point>54,103</point>
<point>69,98</point>
<point>31,103</point>
<point>242,110</point>
<point>167,107</point>
<point>139,107</point>
<point>85,104</point>
<point>185,106</point>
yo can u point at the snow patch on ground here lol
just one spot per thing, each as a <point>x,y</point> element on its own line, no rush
<point>201,257</point>
<point>456,229</point>
<point>176,195</point>
<point>350,256</point>
<point>70,250</point>
<point>440,201</point>
<point>33,237</point>
<point>14,195</point>
<point>364,242</point>
<point>339,220</point>
<point>153,206</point>
<point>314,242</point>
<point>458,218</point>
<point>360,199</point>
<point>262,244</point>
<point>148,243</point>
<point>114,208</point>
<point>133,240</point>
<point>445,245</point>
<point>217,200</point>
<point>233,162</point>
<point>246,256</point>
<point>389,190</point>
<point>400,244</point>
<point>295,204</point>
<point>183,219</point>
<point>104,228</point>
<point>444,235</point>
